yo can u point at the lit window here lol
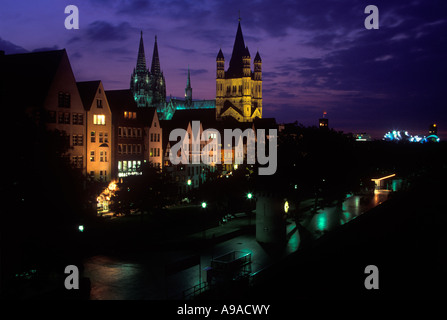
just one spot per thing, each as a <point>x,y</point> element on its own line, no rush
<point>99,119</point>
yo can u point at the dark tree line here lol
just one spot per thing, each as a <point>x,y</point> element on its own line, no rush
<point>44,200</point>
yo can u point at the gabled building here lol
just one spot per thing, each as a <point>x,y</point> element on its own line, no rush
<point>50,97</point>
<point>98,130</point>
<point>153,136</point>
<point>239,89</point>
<point>127,134</point>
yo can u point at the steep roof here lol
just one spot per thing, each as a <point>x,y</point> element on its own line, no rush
<point>120,100</point>
<point>87,91</point>
<point>36,69</point>
<point>239,49</point>
<point>141,60</point>
<point>220,55</point>
<point>181,118</point>
<point>155,66</point>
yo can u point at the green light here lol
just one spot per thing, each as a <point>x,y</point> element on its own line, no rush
<point>249,195</point>
<point>81,228</point>
<point>322,221</point>
<point>189,182</point>
<point>203,205</point>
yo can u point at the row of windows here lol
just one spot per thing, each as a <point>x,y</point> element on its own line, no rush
<point>77,161</point>
<point>64,100</point>
<point>103,137</point>
<point>78,140</point>
<point>102,174</point>
<point>130,115</point>
<point>131,165</point>
<point>99,119</point>
<point>64,117</point>
<point>102,156</point>
<point>155,137</point>
<point>154,152</point>
<point>129,148</point>
<point>233,90</point>
<point>126,132</point>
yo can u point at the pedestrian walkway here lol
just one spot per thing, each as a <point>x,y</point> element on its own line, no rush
<point>237,225</point>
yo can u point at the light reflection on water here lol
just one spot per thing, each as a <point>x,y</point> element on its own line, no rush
<point>328,218</point>
<point>112,278</point>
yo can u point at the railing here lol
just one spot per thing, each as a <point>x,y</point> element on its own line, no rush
<point>196,290</point>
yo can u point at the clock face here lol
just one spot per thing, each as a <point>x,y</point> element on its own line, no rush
<point>286,206</point>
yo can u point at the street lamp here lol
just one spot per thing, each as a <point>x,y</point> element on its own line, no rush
<point>204,205</point>
<point>286,206</point>
<point>189,182</point>
<point>249,195</point>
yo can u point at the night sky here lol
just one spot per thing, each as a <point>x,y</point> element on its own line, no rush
<point>317,55</point>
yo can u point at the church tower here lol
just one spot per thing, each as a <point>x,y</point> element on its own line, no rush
<point>188,91</point>
<point>139,80</point>
<point>239,89</point>
<point>149,87</point>
<point>157,82</point>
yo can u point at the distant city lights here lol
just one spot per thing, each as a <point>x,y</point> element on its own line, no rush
<point>398,135</point>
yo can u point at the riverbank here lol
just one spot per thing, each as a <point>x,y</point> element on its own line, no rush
<point>405,238</point>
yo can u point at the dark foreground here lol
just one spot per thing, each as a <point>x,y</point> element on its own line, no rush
<point>405,237</point>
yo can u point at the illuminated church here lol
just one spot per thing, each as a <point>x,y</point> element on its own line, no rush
<point>238,89</point>
<point>149,88</point>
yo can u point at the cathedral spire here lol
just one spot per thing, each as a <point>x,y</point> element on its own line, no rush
<point>188,81</point>
<point>155,67</point>
<point>239,49</point>
<point>188,89</point>
<point>141,61</point>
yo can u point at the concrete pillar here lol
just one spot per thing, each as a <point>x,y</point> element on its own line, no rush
<point>270,219</point>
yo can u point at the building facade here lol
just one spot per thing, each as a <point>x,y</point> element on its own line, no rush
<point>153,137</point>
<point>98,130</point>
<point>127,134</point>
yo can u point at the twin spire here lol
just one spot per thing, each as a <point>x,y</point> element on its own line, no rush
<point>141,61</point>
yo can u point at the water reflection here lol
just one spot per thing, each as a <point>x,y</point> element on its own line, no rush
<point>112,278</point>
<point>328,218</point>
